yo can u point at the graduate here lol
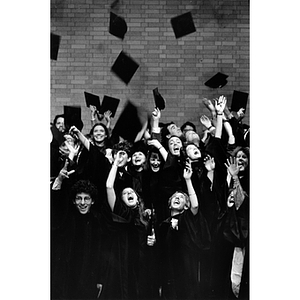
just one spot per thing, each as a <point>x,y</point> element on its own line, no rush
<point>181,237</point>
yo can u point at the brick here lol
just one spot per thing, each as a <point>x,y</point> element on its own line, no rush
<point>180,66</point>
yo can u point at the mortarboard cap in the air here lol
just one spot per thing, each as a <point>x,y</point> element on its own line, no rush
<point>109,103</point>
<point>130,124</point>
<point>239,100</point>
<point>117,26</point>
<point>160,102</point>
<point>217,81</point>
<point>54,44</point>
<point>92,99</point>
<point>124,67</point>
<point>72,116</point>
<point>183,25</point>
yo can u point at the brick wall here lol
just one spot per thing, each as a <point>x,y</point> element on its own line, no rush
<point>178,67</point>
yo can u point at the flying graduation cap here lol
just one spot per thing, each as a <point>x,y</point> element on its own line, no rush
<point>92,99</point>
<point>109,103</point>
<point>124,67</point>
<point>131,123</point>
<point>239,100</point>
<point>117,26</point>
<point>72,115</point>
<point>54,44</point>
<point>160,102</point>
<point>183,25</point>
<point>217,81</point>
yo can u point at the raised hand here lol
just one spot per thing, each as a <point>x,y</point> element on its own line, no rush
<point>209,162</point>
<point>187,172</point>
<point>156,114</point>
<point>232,166</point>
<point>74,131</point>
<point>205,121</point>
<point>210,106</point>
<point>220,104</point>
<point>119,157</point>
<point>107,116</point>
<point>73,149</point>
<point>155,143</point>
<point>241,113</point>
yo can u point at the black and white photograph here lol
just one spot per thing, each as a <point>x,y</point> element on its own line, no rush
<point>137,181</point>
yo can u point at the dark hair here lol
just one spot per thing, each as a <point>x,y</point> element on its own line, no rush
<point>151,150</point>
<point>56,117</point>
<point>246,150</point>
<point>140,206</point>
<point>188,124</point>
<point>84,186</point>
<point>103,126</point>
<point>123,145</point>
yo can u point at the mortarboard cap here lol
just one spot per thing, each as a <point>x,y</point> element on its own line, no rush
<point>139,146</point>
<point>217,81</point>
<point>117,26</point>
<point>54,44</point>
<point>109,103</point>
<point>130,124</point>
<point>239,100</point>
<point>160,102</point>
<point>92,99</point>
<point>114,4</point>
<point>72,116</point>
<point>183,25</point>
<point>124,67</point>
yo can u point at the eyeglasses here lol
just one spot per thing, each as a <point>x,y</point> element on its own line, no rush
<point>86,199</point>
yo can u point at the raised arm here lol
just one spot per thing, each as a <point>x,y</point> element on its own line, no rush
<point>233,171</point>
<point>107,117</point>
<point>160,147</point>
<point>187,174</point>
<point>220,104</point>
<point>111,195</point>
<point>81,137</point>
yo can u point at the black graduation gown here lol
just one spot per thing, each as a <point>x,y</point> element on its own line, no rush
<point>171,180</point>
<point>125,266</point>
<point>77,261</point>
<point>179,254</point>
<point>96,170</point>
<point>215,262</point>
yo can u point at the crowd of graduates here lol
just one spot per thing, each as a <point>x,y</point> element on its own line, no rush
<point>164,215</point>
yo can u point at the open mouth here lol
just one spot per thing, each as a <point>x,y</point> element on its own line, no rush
<point>176,149</point>
<point>176,202</point>
<point>130,198</point>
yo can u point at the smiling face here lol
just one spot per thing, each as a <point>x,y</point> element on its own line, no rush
<point>174,130</point>
<point>60,124</point>
<point>138,158</point>
<point>124,158</point>
<point>178,202</point>
<point>154,162</point>
<point>193,152</point>
<point>99,134</point>
<point>130,197</point>
<point>175,144</point>
<point>83,202</point>
<point>242,160</point>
